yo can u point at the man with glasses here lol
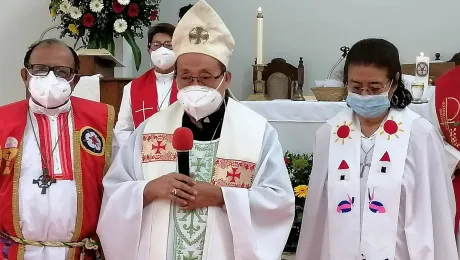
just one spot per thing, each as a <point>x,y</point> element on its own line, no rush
<point>237,204</point>
<point>55,150</point>
<point>155,90</point>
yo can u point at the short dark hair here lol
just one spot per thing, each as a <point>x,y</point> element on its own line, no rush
<point>184,10</point>
<point>51,42</point>
<point>165,28</point>
<point>381,54</point>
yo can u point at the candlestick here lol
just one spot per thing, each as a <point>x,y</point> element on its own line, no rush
<point>422,69</point>
<point>260,35</point>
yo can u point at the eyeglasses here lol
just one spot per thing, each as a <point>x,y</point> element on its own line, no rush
<point>41,70</point>
<point>157,45</point>
<point>204,78</point>
<point>372,89</point>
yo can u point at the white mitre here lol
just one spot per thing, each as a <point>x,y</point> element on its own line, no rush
<point>201,30</point>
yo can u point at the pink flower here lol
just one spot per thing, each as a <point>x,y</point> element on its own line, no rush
<point>117,7</point>
<point>286,160</point>
<point>154,15</point>
<point>133,10</point>
<point>88,20</point>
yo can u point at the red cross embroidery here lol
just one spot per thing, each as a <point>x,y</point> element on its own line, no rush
<point>234,174</point>
<point>158,147</point>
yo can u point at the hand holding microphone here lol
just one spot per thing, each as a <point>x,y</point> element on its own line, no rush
<point>178,187</point>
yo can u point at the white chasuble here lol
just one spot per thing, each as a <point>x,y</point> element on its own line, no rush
<point>232,167</point>
<point>247,162</point>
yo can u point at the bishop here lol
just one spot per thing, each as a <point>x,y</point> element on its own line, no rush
<point>238,204</point>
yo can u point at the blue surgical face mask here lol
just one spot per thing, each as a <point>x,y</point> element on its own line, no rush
<point>371,106</point>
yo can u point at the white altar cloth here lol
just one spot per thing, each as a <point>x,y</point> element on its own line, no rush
<point>297,121</point>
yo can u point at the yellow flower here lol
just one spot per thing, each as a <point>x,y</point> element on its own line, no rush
<point>73,28</point>
<point>301,191</point>
<point>53,13</point>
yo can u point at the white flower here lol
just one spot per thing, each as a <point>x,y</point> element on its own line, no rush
<point>123,2</point>
<point>96,6</point>
<point>120,26</point>
<point>65,7</point>
<point>75,13</point>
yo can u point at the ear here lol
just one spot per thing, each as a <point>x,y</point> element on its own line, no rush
<point>75,81</point>
<point>395,82</point>
<point>228,77</point>
<point>25,76</point>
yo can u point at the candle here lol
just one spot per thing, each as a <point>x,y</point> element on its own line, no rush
<point>260,35</point>
<point>422,69</point>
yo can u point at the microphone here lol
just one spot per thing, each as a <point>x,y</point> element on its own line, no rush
<point>182,141</point>
<point>345,51</point>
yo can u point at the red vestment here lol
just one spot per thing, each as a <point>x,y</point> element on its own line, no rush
<point>448,111</point>
<point>89,169</point>
<point>144,94</point>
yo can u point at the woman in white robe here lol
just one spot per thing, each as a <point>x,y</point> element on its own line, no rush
<point>380,185</point>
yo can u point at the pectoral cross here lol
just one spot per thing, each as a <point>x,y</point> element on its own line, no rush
<point>44,181</point>
<point>143,109</point>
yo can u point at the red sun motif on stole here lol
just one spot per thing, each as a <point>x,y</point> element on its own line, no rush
<point>390,127</point>
<point>343,132</point>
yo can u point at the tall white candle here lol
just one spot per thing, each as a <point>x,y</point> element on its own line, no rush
<point>422,72</point>
<point>260,35</point>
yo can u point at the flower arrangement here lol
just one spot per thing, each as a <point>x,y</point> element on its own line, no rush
<point>299,168</point>
<point>97,22</point>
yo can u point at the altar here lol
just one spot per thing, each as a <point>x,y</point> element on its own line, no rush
<point>297,121</point>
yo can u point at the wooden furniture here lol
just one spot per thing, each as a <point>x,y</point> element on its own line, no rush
<point>436,69</point>
<point>112,92</point>
<point>456,59</point>
<point>279,77</point>
<point>100,61</point>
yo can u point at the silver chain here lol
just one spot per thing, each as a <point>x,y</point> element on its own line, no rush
<point>161,104</point>
<point>365,163</point>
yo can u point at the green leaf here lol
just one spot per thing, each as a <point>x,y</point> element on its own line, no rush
<point>92,44</point>
<point>111,46</point>
<point>129,37</point>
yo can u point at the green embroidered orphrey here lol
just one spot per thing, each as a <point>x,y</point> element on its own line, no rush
<point>190,226</point>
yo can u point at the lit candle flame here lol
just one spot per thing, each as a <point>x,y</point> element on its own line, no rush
<point>259,10</point>
<point>422,54</point>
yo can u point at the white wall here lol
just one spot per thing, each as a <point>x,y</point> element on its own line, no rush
<point>316,29</point>
<point>312,29</point>
<point>20,25</point>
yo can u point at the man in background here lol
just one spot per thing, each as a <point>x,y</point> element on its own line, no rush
<point>155,90</point>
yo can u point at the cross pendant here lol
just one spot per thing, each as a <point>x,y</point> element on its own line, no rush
<point>44,181</point>
<point>363,166</point>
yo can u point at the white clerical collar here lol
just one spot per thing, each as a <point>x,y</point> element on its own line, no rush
<point>36,109</point>
<point>164,77</point>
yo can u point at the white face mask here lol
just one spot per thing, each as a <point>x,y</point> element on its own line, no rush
<point>163,58</point>
<point>50,91</point>
<point>200,101</point>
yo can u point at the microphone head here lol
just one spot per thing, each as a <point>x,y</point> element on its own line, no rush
<point>182,139</point>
